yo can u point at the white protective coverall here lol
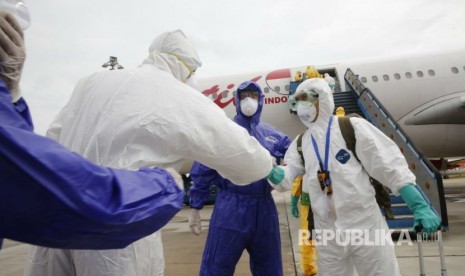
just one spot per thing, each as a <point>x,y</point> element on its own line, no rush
<point>147,117</point>
<point>352,205</point>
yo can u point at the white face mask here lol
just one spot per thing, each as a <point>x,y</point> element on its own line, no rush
<point>249,106</point>
<point>307,112</point>
<point>192,81</point>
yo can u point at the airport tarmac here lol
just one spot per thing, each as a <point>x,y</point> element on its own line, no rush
<point>183,250</point>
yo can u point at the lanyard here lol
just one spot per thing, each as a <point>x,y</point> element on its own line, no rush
<point>315,147</point>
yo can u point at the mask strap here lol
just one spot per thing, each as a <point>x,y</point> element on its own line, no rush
<point>191,71</point>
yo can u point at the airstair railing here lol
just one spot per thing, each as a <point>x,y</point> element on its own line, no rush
<point>429,180</point>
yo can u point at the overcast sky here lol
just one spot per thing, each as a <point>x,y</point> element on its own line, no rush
<point>68,40</point>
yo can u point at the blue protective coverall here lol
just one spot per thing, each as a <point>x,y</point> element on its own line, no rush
<point>53,197</point>
<point>244,217</point>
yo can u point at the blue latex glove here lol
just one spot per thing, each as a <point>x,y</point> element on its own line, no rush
<point>276,175</point>
<point>294,207</point>
<point>422,213</point>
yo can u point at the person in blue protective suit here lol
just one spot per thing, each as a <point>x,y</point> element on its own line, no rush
<point>53,197</point>
<point>351,232</point>
<point>243,217</point>
<point>147,116</point>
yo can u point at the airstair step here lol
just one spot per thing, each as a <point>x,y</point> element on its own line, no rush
<point>348,100</point>
<point>401,210</point>
<point>397,200</point>
<point>401,222</point>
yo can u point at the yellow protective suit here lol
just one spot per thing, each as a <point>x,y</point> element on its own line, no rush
<point>308,253</point>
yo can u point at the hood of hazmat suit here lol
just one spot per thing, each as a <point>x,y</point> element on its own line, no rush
<point>174,53</point>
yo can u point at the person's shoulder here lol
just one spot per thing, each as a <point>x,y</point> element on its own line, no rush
<point>102,75</point>
<point>91,76</point>
<point>358,120</point>
<point>362,126</point>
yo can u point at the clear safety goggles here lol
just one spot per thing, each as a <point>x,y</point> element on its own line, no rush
<point>308,96</point>
<point>251,94</point>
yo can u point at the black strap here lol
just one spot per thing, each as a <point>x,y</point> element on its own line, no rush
<point>382,194</point>
<point>299,147</point>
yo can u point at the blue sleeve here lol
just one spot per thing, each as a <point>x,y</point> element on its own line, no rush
<point>202,178</point>
<point>15,115</point>
<point>283,146</point>
<point>55,198</point>
<point>281,142</point>
<point>23,110</point>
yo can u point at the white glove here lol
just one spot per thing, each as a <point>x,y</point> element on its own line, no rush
<point>12,53</point>
<point>177,177</point>
<point>194,222</point>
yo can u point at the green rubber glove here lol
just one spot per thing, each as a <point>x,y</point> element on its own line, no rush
<point>276,175</point>
<point>294,207</point>
<point>422,213</point>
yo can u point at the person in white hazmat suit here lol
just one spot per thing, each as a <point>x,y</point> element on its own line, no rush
<point>147,117</point>
<point>347,202</point>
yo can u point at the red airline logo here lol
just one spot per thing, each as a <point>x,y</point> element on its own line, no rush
<point>274,75</point>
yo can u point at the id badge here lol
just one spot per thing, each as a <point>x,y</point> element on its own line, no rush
<point>325,181</point>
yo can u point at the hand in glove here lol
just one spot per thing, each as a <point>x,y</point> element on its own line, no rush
<point>276,175</point>
<point>294,206</point>
<point>194,222</point>
<point>12,53</point>
<point>422,213</point>
<point>177,177</point>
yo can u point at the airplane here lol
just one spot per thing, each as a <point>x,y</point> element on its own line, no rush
<point>425,94</point>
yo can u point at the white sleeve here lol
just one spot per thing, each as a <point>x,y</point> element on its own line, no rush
<point>380,156</point>
<point>219,143</point>
<point>293,166</point>
<point>54,130</point>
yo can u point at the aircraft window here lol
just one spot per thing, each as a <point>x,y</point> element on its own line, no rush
<point>287,87</point>
<point>364,80</point>
<point>397,76</point>
<point>224,94</point>
<point>431,72</point>
<point>408,75</point>
<point>386,77</point>
<point>214,96</point>
<point>234,93</point>
<point>267,90</point>
<point>374,78</point>
<point>277,88</point>
<point>463,68</point>
<point>420,74</point>
<point>454,70</point>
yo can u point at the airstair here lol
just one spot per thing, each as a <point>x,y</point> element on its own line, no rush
<point>356,98</point>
